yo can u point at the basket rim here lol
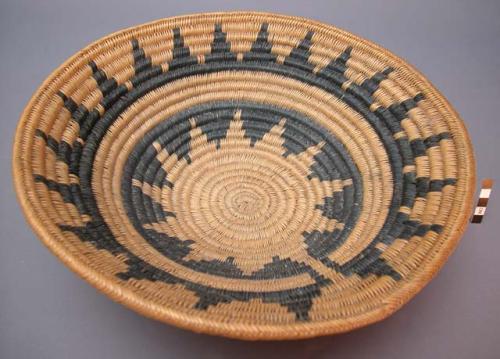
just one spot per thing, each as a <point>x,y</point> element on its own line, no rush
<point>242,331</point>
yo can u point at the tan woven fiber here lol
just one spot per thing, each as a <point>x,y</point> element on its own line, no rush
<point>250,175</point>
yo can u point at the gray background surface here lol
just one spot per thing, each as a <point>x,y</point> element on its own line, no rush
<point>46,311</point>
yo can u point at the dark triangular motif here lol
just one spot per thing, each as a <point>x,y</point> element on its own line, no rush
<point>181,55</point>
<point>335,70</point>
<point>68,102</point>
<point>50,141</point>
<point>299,56</point>
<point>144,68</point>
<point>400,109</point>
<point>80,114</point>
<point>105,85</point>
<point>220,47</point>
<point>179,49</point>
<point>365,91</point>
<point>261,48</point>
<point>372,84</point>
<point>338,64</point>
<point>301,52</point>
<point>141,61</point>
<point>219,44</point>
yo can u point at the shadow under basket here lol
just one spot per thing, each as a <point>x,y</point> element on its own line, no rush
<point>250,175</point>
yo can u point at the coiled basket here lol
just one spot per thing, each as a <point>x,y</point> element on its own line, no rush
<point>250,175</point>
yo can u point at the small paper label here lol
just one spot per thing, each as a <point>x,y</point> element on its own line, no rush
<point>482,202</point>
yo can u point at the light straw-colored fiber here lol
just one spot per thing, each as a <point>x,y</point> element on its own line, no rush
<point>250,175</point>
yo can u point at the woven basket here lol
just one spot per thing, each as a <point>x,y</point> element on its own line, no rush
<point>250,175</point>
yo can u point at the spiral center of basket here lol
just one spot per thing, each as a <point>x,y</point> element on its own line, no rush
<point>245,204</point>
<point>241,201</point>
<point>245,194</point>
<point>240,184</point>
